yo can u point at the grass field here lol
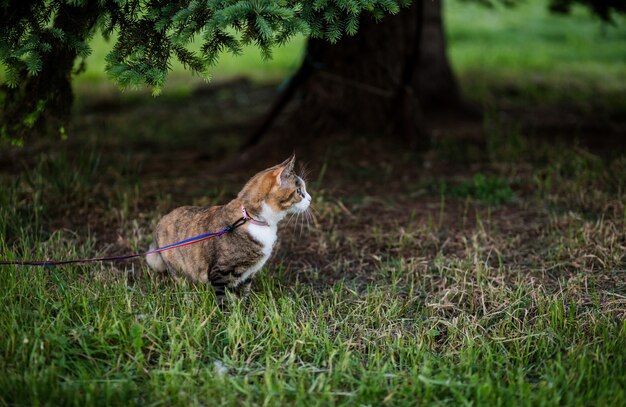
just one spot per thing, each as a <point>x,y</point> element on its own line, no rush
<point>537,56</point>
<point>505,288</point>
<point>491,274</point>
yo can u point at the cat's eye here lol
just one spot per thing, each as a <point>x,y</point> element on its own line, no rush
<point>299,191</point>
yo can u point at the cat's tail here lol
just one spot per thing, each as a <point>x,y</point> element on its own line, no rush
<point>155,261</point>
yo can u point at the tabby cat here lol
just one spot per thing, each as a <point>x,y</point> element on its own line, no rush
<point>230,261</point>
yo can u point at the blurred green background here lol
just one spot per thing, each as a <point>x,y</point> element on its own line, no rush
<point>546,57</point>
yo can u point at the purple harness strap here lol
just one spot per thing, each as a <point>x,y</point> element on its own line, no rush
<point>250,219</point>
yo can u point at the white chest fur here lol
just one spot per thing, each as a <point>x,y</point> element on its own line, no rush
<point>266,236</point>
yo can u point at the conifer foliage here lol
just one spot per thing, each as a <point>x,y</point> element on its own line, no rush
<point>41,40</point>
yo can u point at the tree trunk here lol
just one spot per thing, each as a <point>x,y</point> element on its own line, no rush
<point>381,80</point>
<point>36,106</point>
<point>435,82</point>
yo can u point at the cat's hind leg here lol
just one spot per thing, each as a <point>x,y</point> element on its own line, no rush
<point>155,261</point>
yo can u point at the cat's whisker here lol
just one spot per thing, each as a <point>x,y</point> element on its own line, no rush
<point>314,210</point>
<point>290,218</point>
<point>314,215</point>
<point>304,170</point>
<point>301,223</point>
<point>308,220</point>
<point>295,219</point>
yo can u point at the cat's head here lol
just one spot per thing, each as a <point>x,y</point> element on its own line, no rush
<point>276,191</point>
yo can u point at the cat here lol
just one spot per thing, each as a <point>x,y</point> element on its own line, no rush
<point>229,262</point>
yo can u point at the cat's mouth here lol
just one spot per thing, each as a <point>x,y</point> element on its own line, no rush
<point>303,205</point>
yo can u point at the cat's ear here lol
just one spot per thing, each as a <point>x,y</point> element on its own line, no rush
<point>289,163</point>
<point>285,169</point>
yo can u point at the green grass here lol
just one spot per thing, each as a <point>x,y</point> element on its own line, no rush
<point>429,312</point>
<point>71,339</point>
<point>538,56</point>
<point>492,190</point>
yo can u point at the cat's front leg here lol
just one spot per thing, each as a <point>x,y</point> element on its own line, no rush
<point>223,288</point>
<point>243,289</point>
<point>220,278</point>
<point>225,294</point>
<point>220,289</point>
<point>226,298</point>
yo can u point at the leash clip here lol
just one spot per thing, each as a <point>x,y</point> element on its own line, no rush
<point>235,225</point>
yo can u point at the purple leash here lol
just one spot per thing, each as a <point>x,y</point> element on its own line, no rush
<point>187,242</point>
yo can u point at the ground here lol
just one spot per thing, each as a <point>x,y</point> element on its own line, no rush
<point>489,270</point>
